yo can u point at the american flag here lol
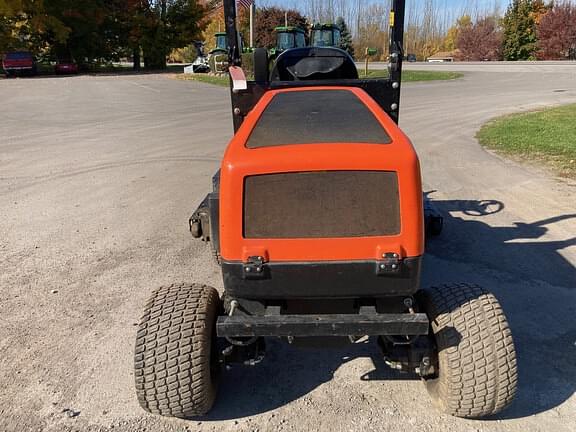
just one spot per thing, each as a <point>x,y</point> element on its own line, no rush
<point>245,3</point>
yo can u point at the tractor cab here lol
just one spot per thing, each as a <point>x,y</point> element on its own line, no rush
<point>292,60</point>
<point>325,35</point>
<point>288,38</point>
<point>218,58</point>
<point>221,43</point>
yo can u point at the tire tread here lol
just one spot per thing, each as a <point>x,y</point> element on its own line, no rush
<point>477,358</point>
<point>173,350</point>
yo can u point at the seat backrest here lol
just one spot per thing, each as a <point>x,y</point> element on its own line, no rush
<point>314,63</point>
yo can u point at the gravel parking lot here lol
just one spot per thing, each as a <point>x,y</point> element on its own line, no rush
<point>98,176</point>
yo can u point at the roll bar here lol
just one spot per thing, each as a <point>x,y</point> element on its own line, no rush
<point>385,91</point>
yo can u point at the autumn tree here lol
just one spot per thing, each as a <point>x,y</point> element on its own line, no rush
<point>90,37</point>
<point>268,18</point>
<point>481,40</point>
<point>215,25</point>
<point>425,33</point>
<point>451,40</point>
<point>557,32</point>
<point>170,24</point>
<point>373,30</point>
<point>101,30</point>
<point>539,9</point>
<point>134,20</point>
<point>24,24</point>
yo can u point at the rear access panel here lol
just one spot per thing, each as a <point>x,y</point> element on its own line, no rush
<point>325,204</point>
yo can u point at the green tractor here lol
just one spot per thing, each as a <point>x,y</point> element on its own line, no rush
<point>325,35</point>
<point>287,37</point>
<point>218,57</point>
<point>221,43</point>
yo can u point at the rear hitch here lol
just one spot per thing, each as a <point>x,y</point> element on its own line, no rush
<point>406,354</point>
<point>249,353</point>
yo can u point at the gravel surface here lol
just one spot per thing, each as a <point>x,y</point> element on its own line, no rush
<point>98,176</point>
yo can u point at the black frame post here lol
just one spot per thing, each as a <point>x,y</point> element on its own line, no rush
<point>397,14</point>
<point>233,37</point>
<point>385,91</point>
<point>234,57</point>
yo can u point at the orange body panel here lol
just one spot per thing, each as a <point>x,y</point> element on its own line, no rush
<point>240,162</point>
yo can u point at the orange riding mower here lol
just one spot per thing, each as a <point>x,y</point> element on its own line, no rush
<point>318,222</point>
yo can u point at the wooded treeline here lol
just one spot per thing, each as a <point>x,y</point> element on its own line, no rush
<point>94,31</point>
<point>527,29</point>
<point>100,31</point>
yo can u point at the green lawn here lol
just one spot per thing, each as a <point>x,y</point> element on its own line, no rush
<point>220,80</point>
<point>407,76</point>
<point>547,137</point>
<point>412,76</point>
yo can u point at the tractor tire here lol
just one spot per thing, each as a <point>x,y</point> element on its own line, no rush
<point>261,68</point>
<point>176,360</point>
<point>477,375</point>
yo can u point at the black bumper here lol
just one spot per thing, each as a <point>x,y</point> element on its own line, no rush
<point>322,280</point>
<point>323,325</point>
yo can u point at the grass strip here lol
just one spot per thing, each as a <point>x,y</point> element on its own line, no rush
<point>407,76</point>
<point>544,137</point>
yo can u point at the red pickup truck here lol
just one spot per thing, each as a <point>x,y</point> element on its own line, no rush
<point>19,62</point>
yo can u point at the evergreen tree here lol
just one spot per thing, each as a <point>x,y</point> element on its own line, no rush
<point>520,39</point>
<point>346,41</point>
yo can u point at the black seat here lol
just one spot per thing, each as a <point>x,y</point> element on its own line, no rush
<point>314,63</point>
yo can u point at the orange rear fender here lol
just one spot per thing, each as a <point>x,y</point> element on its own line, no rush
<point>240,162</point>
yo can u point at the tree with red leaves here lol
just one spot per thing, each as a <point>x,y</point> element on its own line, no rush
<point>557,32</point>
<point>481,40</point>
<point>268,18</point>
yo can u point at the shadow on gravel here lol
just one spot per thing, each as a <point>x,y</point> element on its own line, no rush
<point>544,329</point>
<point>547,372</point>
<point>289,373</point>
<point>512,249</point>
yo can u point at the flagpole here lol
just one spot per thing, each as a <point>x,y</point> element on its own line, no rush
<point>252,13</point>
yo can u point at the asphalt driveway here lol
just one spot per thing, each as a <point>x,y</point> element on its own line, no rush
<point>98,176</point>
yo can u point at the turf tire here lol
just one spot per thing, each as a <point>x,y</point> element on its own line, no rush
<point>176,367</point>
<point>477,375</point>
